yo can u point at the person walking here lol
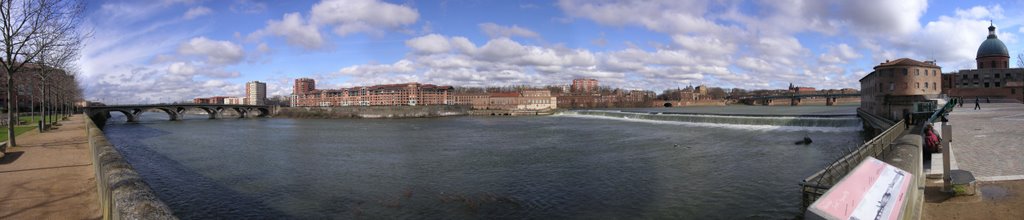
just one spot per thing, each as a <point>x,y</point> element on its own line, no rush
<point>906,120</point>
<point>977,106</point>
<point>960,101</point>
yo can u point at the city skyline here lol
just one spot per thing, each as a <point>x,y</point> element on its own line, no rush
<point>178,50</point>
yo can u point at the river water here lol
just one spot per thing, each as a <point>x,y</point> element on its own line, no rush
<point>564,166</point>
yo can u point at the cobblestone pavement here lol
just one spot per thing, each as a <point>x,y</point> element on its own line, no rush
<point>989,142</point>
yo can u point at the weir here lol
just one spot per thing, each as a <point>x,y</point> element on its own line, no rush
<point>771,120</point>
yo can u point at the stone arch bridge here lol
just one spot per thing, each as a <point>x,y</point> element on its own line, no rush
<point>100,114</point>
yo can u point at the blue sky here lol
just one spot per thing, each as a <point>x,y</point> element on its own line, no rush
<point>172,50</point>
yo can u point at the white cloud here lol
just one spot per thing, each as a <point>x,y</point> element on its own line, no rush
<point>980,12</point>
<point>352,16</point>
<point>432,43</point>
<point>705,44</point>
<point>495,31</point>
<point>668,16</point>
<point>196,12</point>
<point>216,52</point>
<point>883,16</point>
<point>295,30</point>
<point>841,53</point>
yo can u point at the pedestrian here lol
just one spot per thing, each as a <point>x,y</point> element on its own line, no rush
<point>906,120</point>
<point>960,101</point>
<point>977,106</point>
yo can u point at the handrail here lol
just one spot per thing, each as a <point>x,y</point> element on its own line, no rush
<point>818,183</point>
<point>123,194</point>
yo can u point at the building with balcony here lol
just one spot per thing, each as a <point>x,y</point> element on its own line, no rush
<point>256,93</point>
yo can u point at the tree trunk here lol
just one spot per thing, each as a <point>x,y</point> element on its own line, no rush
<point>11,120</point>
<point>42,105</point>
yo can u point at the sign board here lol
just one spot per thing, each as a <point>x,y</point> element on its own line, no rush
<point>872,190</point>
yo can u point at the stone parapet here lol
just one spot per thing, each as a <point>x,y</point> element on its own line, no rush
<point>123,194</point>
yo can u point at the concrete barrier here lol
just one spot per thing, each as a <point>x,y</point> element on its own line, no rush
<point>123,193</point>
<point>907,154</point>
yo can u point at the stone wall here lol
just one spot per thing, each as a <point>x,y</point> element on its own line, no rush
<point>373,111</point>
<point>123,193</point>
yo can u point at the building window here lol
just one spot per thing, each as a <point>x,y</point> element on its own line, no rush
<point>1013,91</point>
<point>998,84</point>
<point>880,87</point>
<point>975,76</point>
<point>905,72</point>
<point>926,84</point>
<point>918,85</point>
<point>1007,75</point>
<point>892,86</point>
<point>965,76</point>
<point>917,72</point>
<point>994,64</point>
<point>1006,64</point>
<point>986,85</point>
<point>979,65</point>
<point>934,87</point>
<point>997,75</point>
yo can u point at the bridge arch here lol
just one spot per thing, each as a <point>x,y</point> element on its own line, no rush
<point>100,114</point>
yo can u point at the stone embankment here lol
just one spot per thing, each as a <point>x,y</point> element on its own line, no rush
<point>122,192</point>
<point>374,111</point>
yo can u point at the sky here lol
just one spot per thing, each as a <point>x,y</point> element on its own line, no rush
<point>176,50</point>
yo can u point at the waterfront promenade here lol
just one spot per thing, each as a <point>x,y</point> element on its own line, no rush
<point>989,143</point>
<point>50,175</point>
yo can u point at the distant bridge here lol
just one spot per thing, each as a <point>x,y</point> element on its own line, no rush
<point>100,114</point>
<point>795,99</point>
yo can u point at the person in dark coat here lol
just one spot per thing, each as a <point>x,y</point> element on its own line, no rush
<point>977,105</point>
<point>960,101</point>
<point>906,120</point>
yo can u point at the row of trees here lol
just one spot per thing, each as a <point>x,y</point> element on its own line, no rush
<point>41,38</point>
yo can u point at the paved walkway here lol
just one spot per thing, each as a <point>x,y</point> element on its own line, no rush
<point>989,142</point>
<point>50,176</point>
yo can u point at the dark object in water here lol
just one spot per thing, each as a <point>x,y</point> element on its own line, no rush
<point>806,141</point>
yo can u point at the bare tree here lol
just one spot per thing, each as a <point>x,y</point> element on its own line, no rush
<point>1020,60</point>
<point>53,65</point>
<point>28,29</point>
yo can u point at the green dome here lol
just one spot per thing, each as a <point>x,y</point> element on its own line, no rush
<point>993,46</point>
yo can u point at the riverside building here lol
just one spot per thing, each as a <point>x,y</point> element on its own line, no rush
<point>256,93</point>
<point>407,94</point>
<point>900,86</point>
<point>994,79</point>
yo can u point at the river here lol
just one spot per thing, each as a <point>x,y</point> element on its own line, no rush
<point>563,166</point>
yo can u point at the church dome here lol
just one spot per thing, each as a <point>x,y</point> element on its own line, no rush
<point>992,46</point>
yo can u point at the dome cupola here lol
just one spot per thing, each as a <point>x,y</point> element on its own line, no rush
<point>992,53</point>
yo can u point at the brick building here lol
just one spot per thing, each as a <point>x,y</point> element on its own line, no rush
<point>410,94</point>
<point>901,85</point>
<point>992,79</point>
<point>584,86</point>
<point>210,100</point>
<point>530,99</point>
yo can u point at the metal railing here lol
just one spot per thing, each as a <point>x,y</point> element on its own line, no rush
<point>818,183</point>
<point>122,192</point>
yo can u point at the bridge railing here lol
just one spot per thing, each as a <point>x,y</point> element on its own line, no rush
<point>123,194</point>
<point>818,183</point>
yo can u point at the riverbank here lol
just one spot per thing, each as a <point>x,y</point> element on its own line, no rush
<point>50,175</point>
